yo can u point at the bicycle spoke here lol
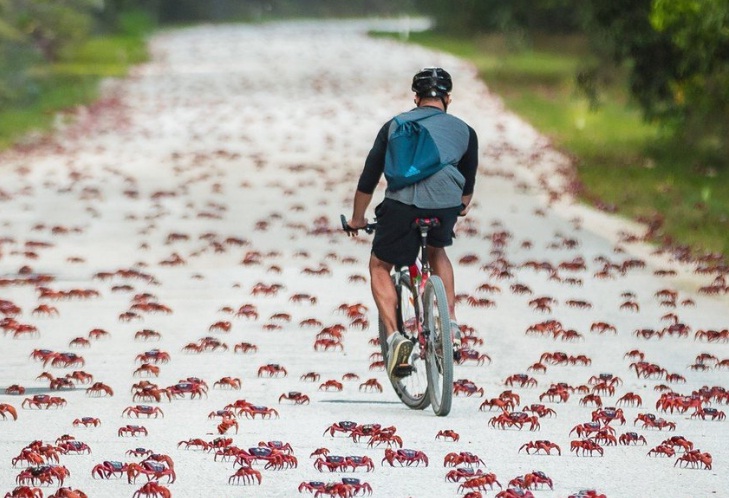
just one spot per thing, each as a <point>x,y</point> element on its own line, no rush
<point>413,388</point>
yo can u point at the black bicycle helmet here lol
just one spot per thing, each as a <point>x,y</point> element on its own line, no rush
<point>432,82</point>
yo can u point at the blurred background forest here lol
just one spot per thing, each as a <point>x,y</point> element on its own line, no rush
<point>636,90</point>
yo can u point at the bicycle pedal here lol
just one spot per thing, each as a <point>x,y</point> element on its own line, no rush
<point>402,371</point>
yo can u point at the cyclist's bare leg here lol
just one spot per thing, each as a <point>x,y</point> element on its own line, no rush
<point>442,267</point>
<point>383,291</point>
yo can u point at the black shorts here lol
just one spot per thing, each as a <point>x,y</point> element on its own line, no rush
<point>397,242</point>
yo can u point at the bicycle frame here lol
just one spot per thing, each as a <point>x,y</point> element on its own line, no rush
<point>419,274</point>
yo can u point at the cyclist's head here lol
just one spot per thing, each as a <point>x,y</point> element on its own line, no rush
<point>432,83</point>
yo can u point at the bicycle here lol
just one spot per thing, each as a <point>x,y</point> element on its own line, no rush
<point>422,316</point>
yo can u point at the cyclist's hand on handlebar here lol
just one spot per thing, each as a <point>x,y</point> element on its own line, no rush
<point>352,227</point>
<point>355,225</point>
<point>464,209</point>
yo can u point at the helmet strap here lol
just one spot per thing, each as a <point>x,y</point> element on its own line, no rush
<point>445,103</point>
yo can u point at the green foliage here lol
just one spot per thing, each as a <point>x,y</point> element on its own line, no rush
<point>698,31</point>
<point>51,25</point>
<point>33,88</point>
<point>518,17</point>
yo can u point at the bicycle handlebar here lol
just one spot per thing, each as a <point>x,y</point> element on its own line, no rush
<point>369,228</point>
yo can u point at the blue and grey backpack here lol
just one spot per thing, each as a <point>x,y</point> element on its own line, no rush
<point>411,153</point>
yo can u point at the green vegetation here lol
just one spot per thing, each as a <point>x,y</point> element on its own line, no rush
<point>46,84</point>
<point>621,160</point>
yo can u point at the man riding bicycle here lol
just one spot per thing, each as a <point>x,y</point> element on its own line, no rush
<point>446,194</point>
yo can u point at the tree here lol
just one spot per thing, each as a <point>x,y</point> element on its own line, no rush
<point>698,31</point>
<point>50,26</point>
<point>481,16</point>
<point>677,52</point>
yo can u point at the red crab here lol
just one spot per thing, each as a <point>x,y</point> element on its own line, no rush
<point>310,377</point>
<point>331,384</point>
<point>540,410</point>
<point>588,428</point>
<point>468,354</point>
<point>153,356</point>
<point>15,389</point>
<point>712,413</point>
<point>246,474</point>
<point>631,437</point>
<point>464,457</point>
<point>227,383</point>
<point>245,347</point>
<point>98,389</point>
<point>532,479</point>
<point>404,457</point>
<point>587,446</point>
<point>662,449</point>
<point>152,490</point>
<point>382,435</point>
<point>108,469</point>
<point>195,443</point>
<point>631,399</point>
<point>277,445</point>
<point>694,459</point>
<point>650,420</point>
<point>371,385</point>
<point>150,469</point>
<point>448,435</point>
<point>147,369</point>
<point>345,426</point>
<point>143,410</point>
<point>459,473</point>
<point>522,380</point>
<point>542,444</point>
<point>75,447</point>
<point>679,441</point>
<point>587,493</point>
<point>263,411</point>
<point>327,344</point>
<point>132,430</point>
<point>478,482</point>
<point>515,419</point>
<point>24,492</point>
<point>139,452</point>
<point>194,386</point>
<point>608,414</point>
<point>43,401</point>
<point>467,387</point>
<point>146,335</point>
<point>227,424</point>
<point>298,398</point>
<point>272,370</point>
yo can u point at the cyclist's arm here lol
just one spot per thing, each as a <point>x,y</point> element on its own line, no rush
<point>361,202</point>
<point>375,163</point>
<point>370,177</point>
<point>468,165</point>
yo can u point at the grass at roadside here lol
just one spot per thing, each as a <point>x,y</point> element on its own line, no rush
<point>620,159</point>
<point>74,79</point>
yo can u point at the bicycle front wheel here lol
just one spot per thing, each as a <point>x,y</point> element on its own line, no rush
<point>413,389</point>
<point>439,357</point>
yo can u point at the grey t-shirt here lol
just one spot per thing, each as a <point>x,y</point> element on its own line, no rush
<point>445,188</point>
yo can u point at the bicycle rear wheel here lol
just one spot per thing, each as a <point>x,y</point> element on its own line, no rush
<point>413,389</point>
<point>439,357</point>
